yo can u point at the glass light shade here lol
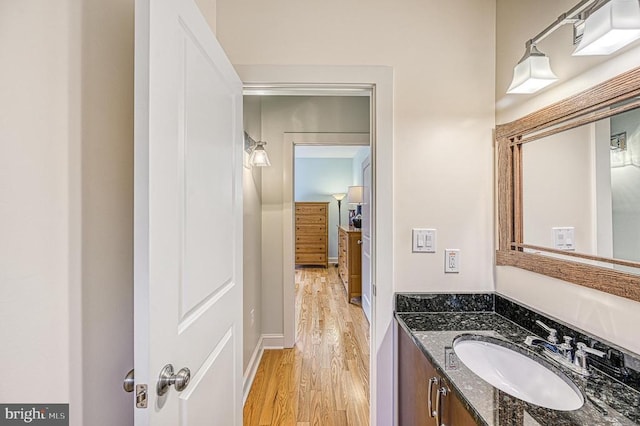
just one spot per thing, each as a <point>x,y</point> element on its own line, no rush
<point>259,157</point>
<point>340,196</point>
<point>354,195</point>
<point>610,28</point>
<point>532,73</point>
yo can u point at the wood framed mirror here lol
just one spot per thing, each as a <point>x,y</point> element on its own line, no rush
<point>530,240</point>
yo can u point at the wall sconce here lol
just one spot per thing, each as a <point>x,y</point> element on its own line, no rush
<point>258,155</point>
<point>600,26</point>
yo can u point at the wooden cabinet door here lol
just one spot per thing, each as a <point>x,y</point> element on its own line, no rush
<point>415,373</point>
<point>413,383</point>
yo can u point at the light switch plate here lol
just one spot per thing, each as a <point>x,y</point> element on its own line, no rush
<point>564,238</point>
<point>423,240</point>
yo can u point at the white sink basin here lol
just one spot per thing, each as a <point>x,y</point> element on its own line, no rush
<point>517,374</point>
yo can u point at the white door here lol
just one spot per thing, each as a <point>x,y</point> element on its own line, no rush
<point>366,238</point>
<point>188,217</point>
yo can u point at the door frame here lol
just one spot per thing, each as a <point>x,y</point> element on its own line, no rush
<point>291,140</point>
<point>343,79</point>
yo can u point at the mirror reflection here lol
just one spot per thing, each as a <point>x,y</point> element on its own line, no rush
<point>581,189</point>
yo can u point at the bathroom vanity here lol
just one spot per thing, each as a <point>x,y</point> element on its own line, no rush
<point>436,388</point>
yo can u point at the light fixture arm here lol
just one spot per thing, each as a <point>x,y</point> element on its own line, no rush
<point>569,17</point>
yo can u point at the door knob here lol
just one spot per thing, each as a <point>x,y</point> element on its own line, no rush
<point>180,380</point>
<point>129,381</point>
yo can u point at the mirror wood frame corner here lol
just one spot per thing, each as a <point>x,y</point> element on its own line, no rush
<point>598,102</point>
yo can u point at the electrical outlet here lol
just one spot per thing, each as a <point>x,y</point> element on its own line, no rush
<point>423,240</point>
<point>452,260</point>
<point>253,316</point>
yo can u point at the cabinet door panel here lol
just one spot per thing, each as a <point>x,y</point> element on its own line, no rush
<point>413,383</point>
<point>414,373</point>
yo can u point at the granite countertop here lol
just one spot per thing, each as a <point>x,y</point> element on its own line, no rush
<point>607,401</point>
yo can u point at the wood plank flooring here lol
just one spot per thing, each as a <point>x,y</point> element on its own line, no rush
<point>324,379</point>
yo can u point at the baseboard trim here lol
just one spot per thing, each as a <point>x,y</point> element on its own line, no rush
<point>333,260</point>
<point>272,341</point>
<point>266,341</point>
<point>252,369</point>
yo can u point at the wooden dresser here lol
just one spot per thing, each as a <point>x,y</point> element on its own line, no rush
<point>312,219</point>
<point>350,260</point>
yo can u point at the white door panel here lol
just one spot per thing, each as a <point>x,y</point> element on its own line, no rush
<point>366,238</point>
<point>188,217</point>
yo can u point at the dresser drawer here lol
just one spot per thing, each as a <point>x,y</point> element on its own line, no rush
<point>311,209</point>
<point>311,229</point>
<point>318,238</point>
<point>311,248</point>
<point>311,219</point>
<point>311,259</point>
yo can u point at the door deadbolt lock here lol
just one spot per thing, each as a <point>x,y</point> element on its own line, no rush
<point>180,380</point>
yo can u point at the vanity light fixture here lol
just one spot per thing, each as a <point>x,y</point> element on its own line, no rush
<point>533,72</point>
<point>609,28</point>
<point>600,26</point>
<point>258,155</point>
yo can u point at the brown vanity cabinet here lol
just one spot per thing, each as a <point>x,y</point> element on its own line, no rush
<point>424,397</point>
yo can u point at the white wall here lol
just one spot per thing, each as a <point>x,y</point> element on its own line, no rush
<point>252,234</point>
<point>443,111</point>
<point>608,316</point>
<point>107,210</point>
<point>282,114</point>
<point>38,199</point>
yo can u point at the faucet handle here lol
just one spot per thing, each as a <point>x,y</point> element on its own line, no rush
<point>580,359</point>
<point>582,347</point>
<point>553,333</point>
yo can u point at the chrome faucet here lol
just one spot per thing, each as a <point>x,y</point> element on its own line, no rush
<point>563,353</point>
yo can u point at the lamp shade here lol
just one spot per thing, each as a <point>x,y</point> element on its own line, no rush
<point>339,196</point>
<point>259,157</point>
<point>532,73</point>
<point>610,28</point>
<point>354,195</point>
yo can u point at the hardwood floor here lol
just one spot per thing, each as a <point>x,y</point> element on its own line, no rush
<point>324,379</point>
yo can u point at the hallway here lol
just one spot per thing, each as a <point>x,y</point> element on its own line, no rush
<point>324,379</point>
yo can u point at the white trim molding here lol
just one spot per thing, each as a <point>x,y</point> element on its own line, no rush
<point>272,341</point>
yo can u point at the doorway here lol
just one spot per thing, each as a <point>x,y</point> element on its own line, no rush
<point>345,80</point>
